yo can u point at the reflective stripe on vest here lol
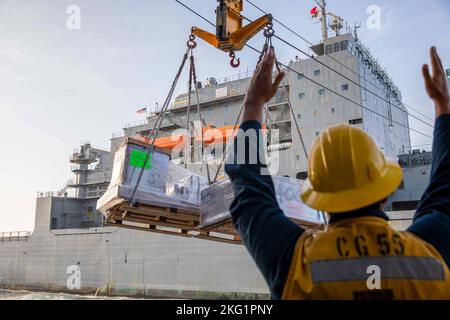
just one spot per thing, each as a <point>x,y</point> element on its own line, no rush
<point>413,268</point>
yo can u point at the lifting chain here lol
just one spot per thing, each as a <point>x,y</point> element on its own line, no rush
<point>268,33</point>
<point>191,44</point>
<point>194,84</point>
<point>154,132</point>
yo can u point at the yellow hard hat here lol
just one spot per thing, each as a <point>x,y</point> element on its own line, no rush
<point>347,171</point>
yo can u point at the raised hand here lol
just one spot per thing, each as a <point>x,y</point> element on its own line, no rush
<point>262,88</point>
<point>436,84</point>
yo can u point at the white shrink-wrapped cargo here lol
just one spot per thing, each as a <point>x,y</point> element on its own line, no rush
<point>216,201</point>
<point>163,184</point>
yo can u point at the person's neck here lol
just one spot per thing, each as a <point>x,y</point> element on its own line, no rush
<point>371,211</point>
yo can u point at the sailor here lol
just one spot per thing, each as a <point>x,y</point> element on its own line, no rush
<point>359,256</point>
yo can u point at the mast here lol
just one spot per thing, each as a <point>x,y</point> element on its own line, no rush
<point>324,20</point>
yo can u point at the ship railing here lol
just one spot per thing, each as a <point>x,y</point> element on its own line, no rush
<point>83,157</point>
<point>116,135</point>
<point>422,149</point>
<point>63,191</point>
<point>135,124</point>
<point>47,194</point>
<point>377,67</point>
<point>53,194</point>
<point>14,236</point>
<point>236,76</point>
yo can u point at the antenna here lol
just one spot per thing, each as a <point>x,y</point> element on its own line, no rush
<point>336,23</point>
<point>356,26</point>
<point>323,6</point>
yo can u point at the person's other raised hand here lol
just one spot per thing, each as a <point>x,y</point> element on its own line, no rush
<point>436,84</point>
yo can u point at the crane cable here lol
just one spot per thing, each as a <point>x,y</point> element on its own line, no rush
<point>193,77</point>
<point>331,57</point>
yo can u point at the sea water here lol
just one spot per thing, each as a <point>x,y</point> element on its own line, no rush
<point>27,295</point>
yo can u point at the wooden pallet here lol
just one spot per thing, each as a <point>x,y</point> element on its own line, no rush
<point>227,227</point>
<point>178,222</point>
<point>166,221</point>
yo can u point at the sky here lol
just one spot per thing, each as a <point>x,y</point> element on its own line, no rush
<point>61,86</point>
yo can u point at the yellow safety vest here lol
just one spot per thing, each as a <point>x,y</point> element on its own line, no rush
<point>365,259</point>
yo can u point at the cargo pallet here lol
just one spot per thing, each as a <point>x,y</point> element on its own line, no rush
<point>178,222</point>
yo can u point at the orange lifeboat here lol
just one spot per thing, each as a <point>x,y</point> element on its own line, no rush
<point>211,135</point>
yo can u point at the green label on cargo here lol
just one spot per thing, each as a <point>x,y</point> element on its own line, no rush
<point>138,157</point>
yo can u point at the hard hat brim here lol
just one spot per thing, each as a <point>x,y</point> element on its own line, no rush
<point>354,199</point>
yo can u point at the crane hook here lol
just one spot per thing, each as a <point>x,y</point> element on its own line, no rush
<point>235,63</point>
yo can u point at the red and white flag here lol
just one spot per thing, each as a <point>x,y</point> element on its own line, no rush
<point>315,12</point>
<point>143,110</point>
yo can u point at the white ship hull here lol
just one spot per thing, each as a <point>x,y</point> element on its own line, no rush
<point>127,262</point>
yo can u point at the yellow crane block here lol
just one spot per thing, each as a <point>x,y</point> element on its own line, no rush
<point>231,35</point>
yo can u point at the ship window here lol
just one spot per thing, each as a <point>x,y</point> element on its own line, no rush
<point>299,116</point>
<point>321,92</point>
<point>316,114</point>
<point>301,95</point>
<point>356,121</point>
<point>302,175</point>
<point>54,223</point>
<point>344,45</point>
<point>87,224</point>
<point>317,133</point>
<point>300,76</point>
<point>351,48</point>
<point>333,110</point>
<point>337,46</point>
<point>317,72</point>
<point>345,87</point>
<point>405,205</point>
<point>328,49</point>
<point>298,157</point>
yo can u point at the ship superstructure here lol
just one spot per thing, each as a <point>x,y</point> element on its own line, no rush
<point>75,205</point>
